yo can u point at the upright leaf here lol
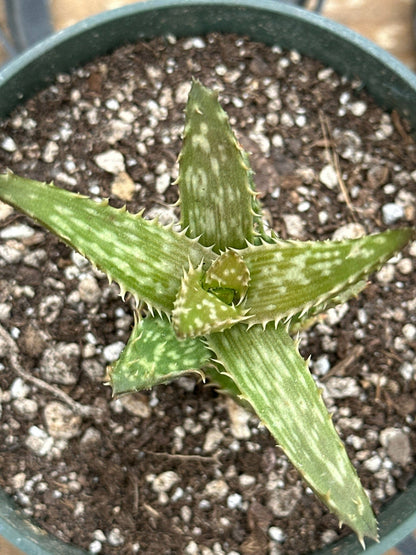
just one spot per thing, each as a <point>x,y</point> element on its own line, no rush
<point>214,180</point>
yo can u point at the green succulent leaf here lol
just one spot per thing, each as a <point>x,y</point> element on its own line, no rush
<point>214,180</point>
<point>198,312</point>
<point>292,277</point>
<point>228,273</point>
<point>154,355</point>
<point>306,320</point>
<point>272,377</point>
<point>224,384</point>
<point>144,258</point>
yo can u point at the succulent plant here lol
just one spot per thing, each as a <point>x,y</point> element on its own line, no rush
<point>220,297</point>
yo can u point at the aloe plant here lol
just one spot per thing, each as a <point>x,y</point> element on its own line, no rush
<point>221,297</point>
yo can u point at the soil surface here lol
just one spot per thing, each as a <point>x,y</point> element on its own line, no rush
<point>180,470</point>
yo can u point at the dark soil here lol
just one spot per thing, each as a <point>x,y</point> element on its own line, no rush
<point>179,470</point>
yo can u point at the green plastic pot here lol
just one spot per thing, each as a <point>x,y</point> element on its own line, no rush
<point>390,83</point>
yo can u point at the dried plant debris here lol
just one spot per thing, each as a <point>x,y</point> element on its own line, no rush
<point>179,470</point>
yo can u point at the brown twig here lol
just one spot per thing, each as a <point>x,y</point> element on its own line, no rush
<point>177,456</point>
<point>77,408</point>
<point>135,486</point>
<point>341,366</point>
<point>377,396</point>
<point>334,159</point>
<point>397,122</point>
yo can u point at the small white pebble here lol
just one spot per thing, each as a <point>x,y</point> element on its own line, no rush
<point>324,74</point>
<point>5,211</point>
<point>112,104</point>
<point>165,481</point>
<point>358,108</point>
<point>221,69</point>
<point>287,120</point>
<point>322,365</point>
<point>212,439</point>
<point>115,538</point>
<point>391,213</point>
<point>300,120</point>
<point>111,161</point>
<point>19,389</point>
<point>304,206</point>
<point>8,144</point>
<point>276,534</point>
<point>99,535</point>
<point>5,310</point>
<point>238,103</point>
<point>386,274</point>
<point>362,316</point>
<point>277,141</point>
<point>50,152</point>
<point>112,352</point>
<point>60,421</point>
<point>323,217</point>
<point>18,480</point>
<point>295,225</point>
<point>217,489</point>
<point>95,547</point>
<point>177,494</point>
<point>192,548</point>
<point>397,444</point>
<point>340,388</point>
<point>186,513</point>
<point>407,371</point>
<point>329,536</point>
<point>89,290</point>
<point>344,98</point>
<point>181,94</point>
<point>35,431</point>
<point>272,91</point>
<point>194,42</point>
<point>328,176</point>
<point>234,501</point>
<point>373,464</point>
<point>162,183</point>
<point>17,231</point>
<point>405,266</point>
<point>26,408</point>
<point>352,230</point>
<point>409,332</point>
<point>246,480</point>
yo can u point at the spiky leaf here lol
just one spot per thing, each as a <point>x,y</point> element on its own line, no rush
<point>228,273</point>
<point>291,277</point>
<point>197,311</point>
<point>272,376</point>
<point>214,178</point>
<point>143,257</point>
<point>154,355</point>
